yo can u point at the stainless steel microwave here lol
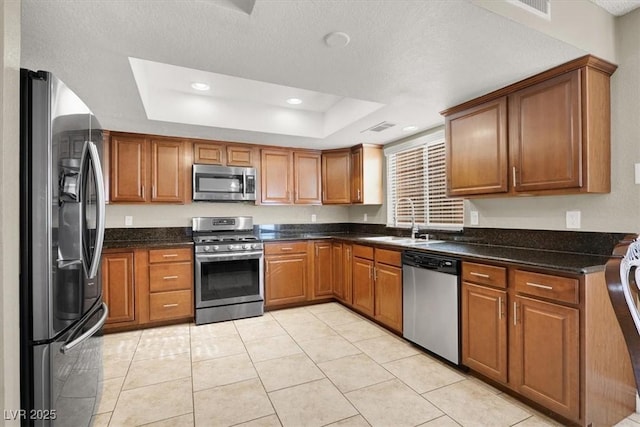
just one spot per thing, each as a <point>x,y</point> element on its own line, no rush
<point>224,183</point>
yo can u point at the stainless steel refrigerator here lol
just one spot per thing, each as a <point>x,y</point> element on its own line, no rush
<point>62,203</point>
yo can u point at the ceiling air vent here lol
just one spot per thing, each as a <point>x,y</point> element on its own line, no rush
<point>538,7</point>
<point>379,127</point>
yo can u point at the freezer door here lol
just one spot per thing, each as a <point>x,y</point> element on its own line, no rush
<point>67,379</point>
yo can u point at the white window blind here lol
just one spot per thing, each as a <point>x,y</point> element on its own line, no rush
<point>417,171</point>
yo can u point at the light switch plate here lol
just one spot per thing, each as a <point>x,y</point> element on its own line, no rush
<point>313,217</point>
<point>128,220</point>
<point>474,218</point>
<point>573,219</point>
<point>366,217</point>
<point>637,170</point>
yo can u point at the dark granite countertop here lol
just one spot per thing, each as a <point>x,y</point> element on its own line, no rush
<point>556,251</point>
<point>568,262</point>
<point>130,244</point>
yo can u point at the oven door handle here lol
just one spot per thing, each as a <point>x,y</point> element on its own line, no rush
<point>229,257</point>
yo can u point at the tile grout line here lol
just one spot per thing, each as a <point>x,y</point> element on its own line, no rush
<point>115,406</point>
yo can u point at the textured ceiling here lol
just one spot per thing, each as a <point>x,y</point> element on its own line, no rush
<point>618,7</point>
<point>416,57</point>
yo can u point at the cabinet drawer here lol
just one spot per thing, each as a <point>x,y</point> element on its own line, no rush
<point>484,274</point>
<point>285,248</point>
<point>543,285</point>
<point>170,305</point>
<point>170,255</point>
<point>170,276</point>
<point>363,251</point>
<point>386,256</point>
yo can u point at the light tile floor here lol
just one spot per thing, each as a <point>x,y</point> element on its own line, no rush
<point>311,366</point>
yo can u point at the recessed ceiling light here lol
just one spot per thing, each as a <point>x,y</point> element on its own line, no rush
<point>409,128</point>
<point>294,101</point>
<point>200,86</point>
<point>337,39</point>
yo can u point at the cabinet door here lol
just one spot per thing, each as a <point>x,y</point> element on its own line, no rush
<point>545,134</point>
<point>167,171</point>
<point>322,284</point>
<point>239,156</point>
<point>337,270</point>
<point>307,182</point>
<point>347,273</point>
<point>388,295</point>
<point>546,355</point>
<point>336,177</point>
<point>286,279</point>
<point>362,286</point>
<point>277,175</point>
<point>357,190</point>
<point>117,286</point>
<point>129,168</point>
<point>208,153</point>
<point>476,144</point>
<point>484,330</point>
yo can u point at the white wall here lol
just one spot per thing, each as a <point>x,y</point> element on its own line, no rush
<point>9,206</point>
<point>617,211</point>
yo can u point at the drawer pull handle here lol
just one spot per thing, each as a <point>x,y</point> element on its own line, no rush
<point>484,276</point>
<point>499,307</point>
<point>170,305</point>
<point>286,249</point>
<point>170,277</point>
<point>515,313</point>
<point>537,285</point>
<point>170,255</point>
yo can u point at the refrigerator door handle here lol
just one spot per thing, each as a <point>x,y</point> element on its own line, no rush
<point>100,208</point>
<point>69,345</point>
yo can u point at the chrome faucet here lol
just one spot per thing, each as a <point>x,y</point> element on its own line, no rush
<point>414,227</point>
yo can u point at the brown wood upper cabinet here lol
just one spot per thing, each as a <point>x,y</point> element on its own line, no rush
<point>290,177</point>
<point>147,169</point>
<point>366,174</point>
<point>548,134</point>
<point>220,153</point>
<point>336,177</point>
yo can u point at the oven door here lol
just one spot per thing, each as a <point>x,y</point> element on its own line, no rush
<point>224,279</point>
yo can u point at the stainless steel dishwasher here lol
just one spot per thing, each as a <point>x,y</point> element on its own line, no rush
<point>431,303</point>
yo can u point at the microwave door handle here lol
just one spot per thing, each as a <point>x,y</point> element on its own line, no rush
<point>244,184</point>
<point>100,208</point>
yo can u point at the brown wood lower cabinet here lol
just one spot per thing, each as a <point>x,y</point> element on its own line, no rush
<point>143,287</point>
<point>546,355</point>
<point>323,270</point>
<point>533,333</point>
<point>286,276</point>
<point>363,286</point>
<point>388,295</point>
<point>484,331</point>
<point>118,287</point>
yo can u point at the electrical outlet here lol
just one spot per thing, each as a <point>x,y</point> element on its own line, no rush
<point>366,217</point>
<point>313,217</point>
<point>474,218</point>
<point>128,220</point>
<point>573,219</point>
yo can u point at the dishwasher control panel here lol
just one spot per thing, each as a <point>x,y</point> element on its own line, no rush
<point>431,262</point>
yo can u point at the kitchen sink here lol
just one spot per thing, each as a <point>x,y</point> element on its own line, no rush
<point>404,241</point>
<point>394,239</point>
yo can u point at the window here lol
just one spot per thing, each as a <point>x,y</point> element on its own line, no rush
<point>416,171</point>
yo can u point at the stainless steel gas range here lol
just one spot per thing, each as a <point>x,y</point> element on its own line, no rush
<point>229,272</point>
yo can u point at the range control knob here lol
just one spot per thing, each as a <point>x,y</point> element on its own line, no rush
<point>215,248</point>
<point>248,246</point>
<point>206,248</point>
<point>233,247</point>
